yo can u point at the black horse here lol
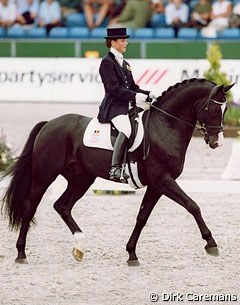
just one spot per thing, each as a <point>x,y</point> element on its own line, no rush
<point>56,148</point>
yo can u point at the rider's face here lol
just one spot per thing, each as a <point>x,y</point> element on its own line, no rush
<point>120,45</point>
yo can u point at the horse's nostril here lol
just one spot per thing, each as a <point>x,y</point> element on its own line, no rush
<point>214,145</point>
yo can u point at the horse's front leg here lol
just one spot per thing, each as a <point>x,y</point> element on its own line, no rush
<point>149,200</point>
<point>172,190</point>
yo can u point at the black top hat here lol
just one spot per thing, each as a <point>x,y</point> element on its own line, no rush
<point>116,33</point>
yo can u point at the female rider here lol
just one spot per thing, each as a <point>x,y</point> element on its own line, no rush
<point>121,93</point>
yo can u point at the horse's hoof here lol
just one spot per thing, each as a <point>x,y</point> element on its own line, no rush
<point>212,250</point>
<point>133,263</point>
<point>21,261</point>
<point>78,255</point>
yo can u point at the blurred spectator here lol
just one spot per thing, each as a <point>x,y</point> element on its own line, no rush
<point>135,14</point>
<point>69,6</point>
<point>177,14</point>
<point>221,11</point>
<point>27,11</point>
<point>8,13</point>
<point>234,20</point>
<point>49,14</point>
<point>200,15</point>
<point>117,7</point>
<point>98,8</point>
<point>157,6</point>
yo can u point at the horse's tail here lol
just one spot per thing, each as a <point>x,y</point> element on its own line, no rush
<point>20,183</point>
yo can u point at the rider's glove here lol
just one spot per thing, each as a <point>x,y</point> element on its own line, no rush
<point>152,95</point>
<point>140,97</point>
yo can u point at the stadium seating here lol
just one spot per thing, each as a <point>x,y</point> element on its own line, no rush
<point>167,33</point>
<point>98,33</point>
<point>36,32</point>
<point>2,32</point>
<point>230,33</point>
<point>143,33</point>
<point>235,2</point>
<point>78,32</point>
<point>16,32</point>
<point>76,28</point>
<point>58,32</point>
<point>188,33</point>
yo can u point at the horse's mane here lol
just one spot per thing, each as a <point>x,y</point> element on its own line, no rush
<point>181,84</point>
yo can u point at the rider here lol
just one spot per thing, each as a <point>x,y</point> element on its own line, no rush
<point>121,92</point>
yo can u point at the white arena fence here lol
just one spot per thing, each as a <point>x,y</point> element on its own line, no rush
<point>77,80</point>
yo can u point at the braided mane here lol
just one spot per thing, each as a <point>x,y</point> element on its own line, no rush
<point>181,84</point>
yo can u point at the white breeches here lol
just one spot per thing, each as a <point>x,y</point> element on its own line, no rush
<point>122,123</point>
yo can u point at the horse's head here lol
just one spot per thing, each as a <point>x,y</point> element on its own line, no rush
<point>211,115</point>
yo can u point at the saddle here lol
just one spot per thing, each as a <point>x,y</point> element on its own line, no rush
<point>103,136</point>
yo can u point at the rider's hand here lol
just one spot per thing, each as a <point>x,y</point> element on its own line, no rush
<point>152,95</point>
<point>140,97</point>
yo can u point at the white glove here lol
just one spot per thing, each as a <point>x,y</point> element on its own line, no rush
<point>152,96</point>
<point>140,97</point>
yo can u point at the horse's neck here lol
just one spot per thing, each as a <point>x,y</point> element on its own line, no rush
<point>178,111</point>
<point>175,115</point>
<point>181,101</point>
<point>175,118</point>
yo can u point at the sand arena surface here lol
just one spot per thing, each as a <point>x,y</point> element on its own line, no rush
<point>170,249</point>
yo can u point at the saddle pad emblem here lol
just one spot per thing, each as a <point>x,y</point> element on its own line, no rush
<point>95,135</point>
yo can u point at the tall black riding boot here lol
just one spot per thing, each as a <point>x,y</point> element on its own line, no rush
<point>118,152</point>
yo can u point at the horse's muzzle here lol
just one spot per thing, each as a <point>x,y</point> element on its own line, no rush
<point>215,141</point>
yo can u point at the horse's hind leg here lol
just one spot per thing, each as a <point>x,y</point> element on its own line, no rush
<point>77,187</point>
<point>30,207</point>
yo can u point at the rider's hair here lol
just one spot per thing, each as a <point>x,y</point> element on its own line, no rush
<point>108,42</point>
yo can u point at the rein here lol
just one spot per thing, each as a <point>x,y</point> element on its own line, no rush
<point>203,129</point>
<point>170,115</point>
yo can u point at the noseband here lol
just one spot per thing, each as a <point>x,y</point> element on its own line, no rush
<point>204,129</point>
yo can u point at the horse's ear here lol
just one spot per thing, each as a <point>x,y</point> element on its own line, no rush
<point>228,87</point>
<point>219,88</point>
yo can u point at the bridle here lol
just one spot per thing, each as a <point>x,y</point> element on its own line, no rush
<point>204,128</point>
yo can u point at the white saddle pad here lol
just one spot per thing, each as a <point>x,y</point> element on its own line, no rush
<point>98,135</point>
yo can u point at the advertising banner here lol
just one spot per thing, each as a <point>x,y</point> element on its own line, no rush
<point>77,80</point>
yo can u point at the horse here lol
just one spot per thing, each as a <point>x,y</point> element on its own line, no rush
<point>55,147</point>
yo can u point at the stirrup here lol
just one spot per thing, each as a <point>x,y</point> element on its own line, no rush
<point>118,174</point>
